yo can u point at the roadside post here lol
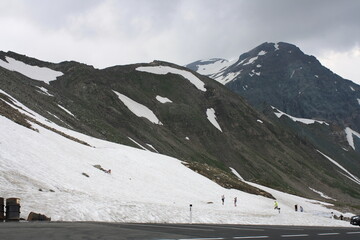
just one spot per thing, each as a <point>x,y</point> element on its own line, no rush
<point>12,210</point>
<point>190,214</point>
<point>2,213</point>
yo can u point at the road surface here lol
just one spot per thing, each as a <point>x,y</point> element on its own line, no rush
<point>118,231</point>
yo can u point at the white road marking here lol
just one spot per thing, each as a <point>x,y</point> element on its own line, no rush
<point>201,238</point>
<point>296,235</point>
<point>159,226</point>
<point>237,228</point>
<point>353,233</point>
<point>251,237</point>
<point>288,228</point>
<point>327,234</point>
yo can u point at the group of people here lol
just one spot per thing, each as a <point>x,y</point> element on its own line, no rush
<point>300,208</point>
<point>276,204</point>
<point>223,200</point>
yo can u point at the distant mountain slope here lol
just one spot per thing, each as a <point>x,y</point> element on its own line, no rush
<point>165,108</point>
<point>283,76</point>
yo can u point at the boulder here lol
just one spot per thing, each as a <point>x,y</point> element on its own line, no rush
<point>37,217</point>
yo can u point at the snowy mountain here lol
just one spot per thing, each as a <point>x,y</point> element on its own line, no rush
<point>54,115</point>
<point>279,78</point>
<point>281,75</point>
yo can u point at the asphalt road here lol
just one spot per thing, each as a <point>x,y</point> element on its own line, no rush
<point>118,231</point>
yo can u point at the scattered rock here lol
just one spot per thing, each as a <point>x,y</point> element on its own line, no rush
<point>37,217</point>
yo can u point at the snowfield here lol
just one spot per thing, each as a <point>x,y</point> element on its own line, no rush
<point>56,176</point>
<point>34,72</point>
<point>163,70</point>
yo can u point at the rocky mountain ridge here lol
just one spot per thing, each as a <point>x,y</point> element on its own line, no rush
<point>281,75</point>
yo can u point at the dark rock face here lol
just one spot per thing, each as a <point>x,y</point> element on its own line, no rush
<point>299,85</point>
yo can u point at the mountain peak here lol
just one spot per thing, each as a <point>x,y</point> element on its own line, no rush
<point>281,75</point>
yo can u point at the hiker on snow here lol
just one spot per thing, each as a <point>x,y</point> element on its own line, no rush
<point>276,206</point>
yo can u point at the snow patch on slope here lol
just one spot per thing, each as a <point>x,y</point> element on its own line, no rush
<point>23,109</point>
<point>348,174</point>
<point>236,174</point>
<point>251,60</point>
<point>226,78</point>
<point>163,99</point>
<point>276,46</point>
<point>261,53</point>
<point>349,136</point>
<point>322,194</point>
<point>210,113</point>
<point>138,109</point>
<point>253,72</point>
<point>215,67</point>
<point>152,147</point>
<point>295,119</point>
<point>44,91</point>
<point>34,72</point>
<point>138,144</point>
<point>67,111</point>
<point>163,70</point>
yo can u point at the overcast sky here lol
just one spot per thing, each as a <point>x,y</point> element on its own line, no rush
<point>116,32</point>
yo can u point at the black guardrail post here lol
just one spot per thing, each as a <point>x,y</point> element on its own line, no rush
<point>2,213</point>
<point>12,210</point>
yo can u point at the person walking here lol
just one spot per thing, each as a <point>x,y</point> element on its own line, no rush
<point>222,199</point>
<point>235,201</point>
<point>276,206</point>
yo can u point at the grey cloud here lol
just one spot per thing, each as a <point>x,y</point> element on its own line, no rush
<point>182,31</point>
